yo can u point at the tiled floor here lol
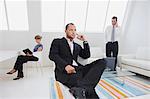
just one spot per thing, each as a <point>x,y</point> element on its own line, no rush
<point>35,85</point>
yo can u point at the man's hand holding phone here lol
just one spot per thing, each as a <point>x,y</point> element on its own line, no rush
<point>116,25</point>
<point>81,37</point>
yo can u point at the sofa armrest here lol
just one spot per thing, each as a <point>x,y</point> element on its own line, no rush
<point>128,56</point>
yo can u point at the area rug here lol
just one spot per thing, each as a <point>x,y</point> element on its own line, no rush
<point>107,88</point>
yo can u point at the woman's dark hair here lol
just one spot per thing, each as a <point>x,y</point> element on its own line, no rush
<point>38,37</point>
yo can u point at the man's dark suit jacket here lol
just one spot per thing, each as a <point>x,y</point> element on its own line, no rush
<point>61,54</point>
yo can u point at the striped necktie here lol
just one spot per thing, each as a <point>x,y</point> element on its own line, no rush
<point>113,35</point>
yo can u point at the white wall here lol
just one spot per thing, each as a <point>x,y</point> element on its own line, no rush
<point>15,40</point>
<point>0,40</point>
<point>148,37</point>
<point>136,28</point>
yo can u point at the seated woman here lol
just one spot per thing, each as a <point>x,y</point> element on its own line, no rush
<point>21,59</point>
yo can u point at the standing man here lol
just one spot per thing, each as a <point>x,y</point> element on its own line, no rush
<point>81,80</point>
<point>112,34</point>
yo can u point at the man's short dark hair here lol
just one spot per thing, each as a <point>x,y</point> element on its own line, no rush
<point>68,25</point>
<point>114,17</point>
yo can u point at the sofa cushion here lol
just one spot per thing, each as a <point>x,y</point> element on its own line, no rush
<point>143,64</point>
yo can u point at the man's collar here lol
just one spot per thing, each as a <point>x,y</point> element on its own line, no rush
<point>68,39</point>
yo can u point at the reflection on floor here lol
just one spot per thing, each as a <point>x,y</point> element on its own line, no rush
<point>35,84</point>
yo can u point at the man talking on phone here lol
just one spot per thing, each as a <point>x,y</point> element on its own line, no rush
<point>112,38</point>
<point>81,80</point>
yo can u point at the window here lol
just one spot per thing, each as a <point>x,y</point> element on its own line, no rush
<point>17,14</point>
<point>96,15</point>
<point>3,21</point>
<point>76,13</point>
<point>53,15</point>
<point>87,15</point>
<point>116,8</point>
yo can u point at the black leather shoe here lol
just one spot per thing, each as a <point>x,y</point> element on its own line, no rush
<point>9,73</point>
<point>17,78</point>
<point>78,93</point>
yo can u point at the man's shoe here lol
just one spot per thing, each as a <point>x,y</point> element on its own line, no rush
<point>12,71</point>
<point>17,78</point>
<point>78,93</point>
<point>9,73</point>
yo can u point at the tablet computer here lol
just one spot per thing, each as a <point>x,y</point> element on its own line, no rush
<point>27,51</point>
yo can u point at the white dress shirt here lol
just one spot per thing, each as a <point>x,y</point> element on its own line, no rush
<point>108,34</point>
<point>71,48</point>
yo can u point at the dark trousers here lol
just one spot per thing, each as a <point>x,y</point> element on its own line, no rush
<point>20,61</point>
<point>87,77</point>
<point>112,50</point>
